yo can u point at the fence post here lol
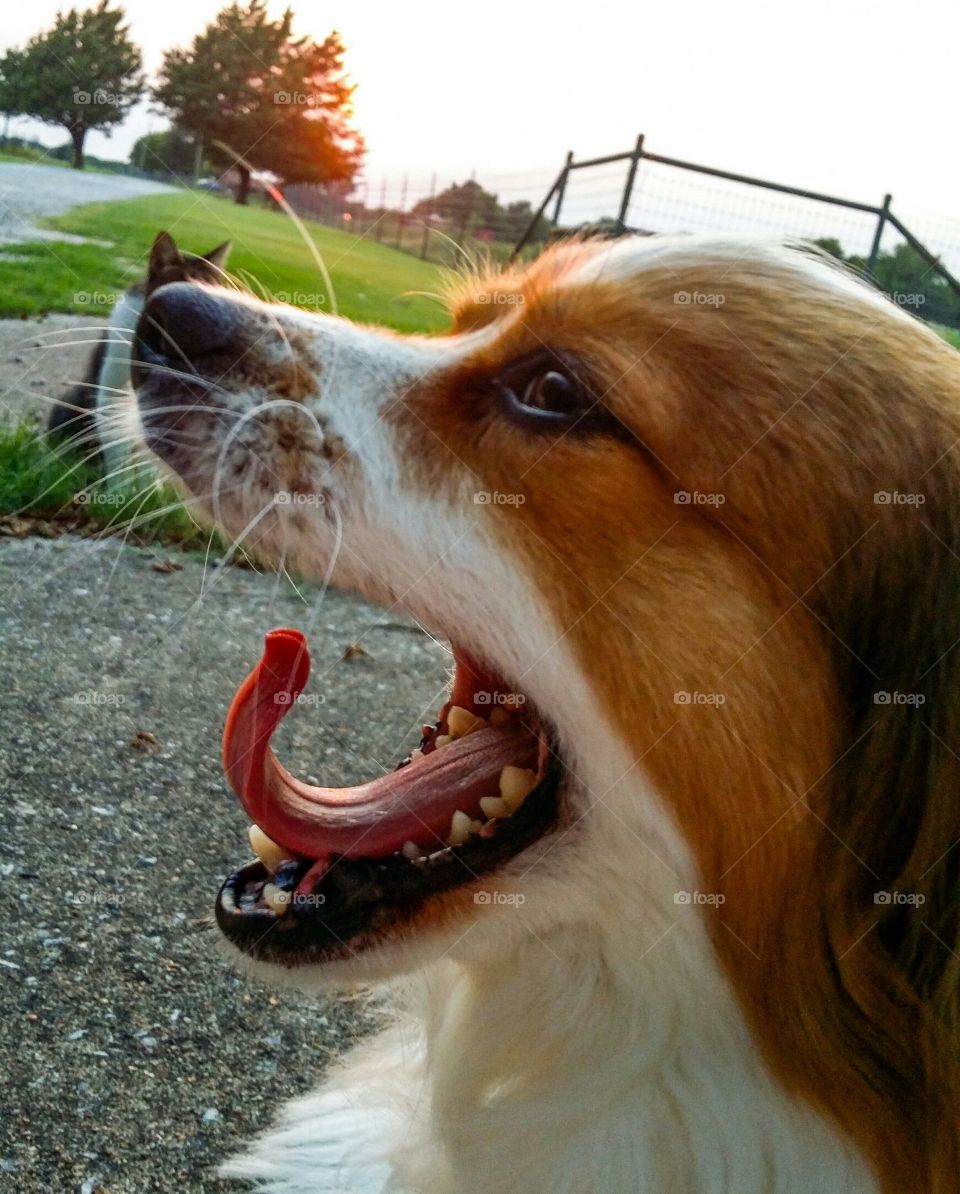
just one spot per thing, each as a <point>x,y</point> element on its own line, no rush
<point>534,220</point>
<point>878,234</point>
<point>402,219</point>
<point>383,208</point>
<point>424,245</point>
<point>562,187</point>
<point>628,185</point>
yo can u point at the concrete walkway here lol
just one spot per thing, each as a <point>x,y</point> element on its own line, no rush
<point>28,190</point>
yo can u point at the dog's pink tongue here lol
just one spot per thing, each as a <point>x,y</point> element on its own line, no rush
<point>415,803</point>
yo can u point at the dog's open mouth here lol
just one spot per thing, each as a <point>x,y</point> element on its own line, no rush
<point>338,868</point>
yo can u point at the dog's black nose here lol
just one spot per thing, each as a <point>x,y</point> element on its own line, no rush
<point>183,323</point>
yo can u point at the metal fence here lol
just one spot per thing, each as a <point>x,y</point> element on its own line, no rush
<point>436,218</point>
<point>644,192</point>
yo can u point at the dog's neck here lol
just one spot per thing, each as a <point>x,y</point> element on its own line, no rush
<point>636,1066</point>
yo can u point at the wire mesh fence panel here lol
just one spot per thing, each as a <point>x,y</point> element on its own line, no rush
<point>647,193</point>
<point>665,199</point>
<point>447,221</point>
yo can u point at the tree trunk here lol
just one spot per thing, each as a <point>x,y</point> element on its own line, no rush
<point>243,186</point>
<point>77,136</point>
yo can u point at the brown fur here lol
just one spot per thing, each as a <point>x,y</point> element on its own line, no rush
<point>798,599</point>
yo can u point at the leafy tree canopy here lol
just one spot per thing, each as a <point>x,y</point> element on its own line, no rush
<point>281,102</point>
<point>82,74</point>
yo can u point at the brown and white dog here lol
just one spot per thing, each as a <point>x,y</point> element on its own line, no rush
<point>689,511</point>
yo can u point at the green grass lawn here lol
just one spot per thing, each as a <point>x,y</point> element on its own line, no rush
<point>49,490</point>
<point>373,283</point>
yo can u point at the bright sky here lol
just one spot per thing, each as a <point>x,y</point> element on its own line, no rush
<point>855,98</point>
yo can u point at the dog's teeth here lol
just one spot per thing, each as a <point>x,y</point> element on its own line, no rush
<point>494,807</point>
<point>462,828</point>
<point>416,755</point>
<point>441,740</point>
<point>411,851</point>
<point>277,901</point>
<point>267,850</point>
<point>516,784</point>
<point>461,721</point>
<point>499,715</point>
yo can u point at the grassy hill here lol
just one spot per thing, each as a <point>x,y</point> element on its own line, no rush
<point>372,283</point>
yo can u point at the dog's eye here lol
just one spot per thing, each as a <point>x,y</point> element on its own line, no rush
<point>544,390</point>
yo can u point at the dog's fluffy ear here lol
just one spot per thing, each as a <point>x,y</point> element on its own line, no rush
<point>164,255</point>
<point>218,256</point>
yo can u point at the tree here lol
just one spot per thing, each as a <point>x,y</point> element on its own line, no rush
<point>908,279</point>
<point>167,152</point>
<point>469,208</point>
<point>82,74</point>
<point>281,102</point>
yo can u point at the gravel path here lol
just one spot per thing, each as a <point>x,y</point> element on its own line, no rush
<point>28,190</point>
<point>135,1057</point>
<point>40,359</point>
<point>133,1054</point>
